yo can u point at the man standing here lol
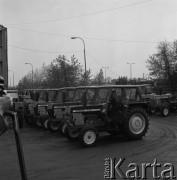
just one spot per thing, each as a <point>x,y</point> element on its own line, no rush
<point>5,103</point>
<point>116,105</point>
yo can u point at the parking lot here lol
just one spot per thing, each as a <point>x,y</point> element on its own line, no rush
<point>51,156</point>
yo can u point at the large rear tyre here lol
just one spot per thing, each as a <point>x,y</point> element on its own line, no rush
<point>136,123</point>
<point>88,136</point>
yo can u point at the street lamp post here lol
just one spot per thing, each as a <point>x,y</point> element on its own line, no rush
<point>13,77</point>
<point>10,82</point>
<point>84,50</point>
<point>105,72</point>
<point>32,72</point>
<point>130,68</point>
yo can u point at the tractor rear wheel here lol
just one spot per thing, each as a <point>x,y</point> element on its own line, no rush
<point>136,123</point>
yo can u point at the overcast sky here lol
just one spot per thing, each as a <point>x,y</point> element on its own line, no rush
<point>115,32</point>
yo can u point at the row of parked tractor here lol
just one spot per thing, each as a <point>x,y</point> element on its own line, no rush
<point>81,113</point>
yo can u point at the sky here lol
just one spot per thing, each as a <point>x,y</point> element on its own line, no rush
<point>115,32</point>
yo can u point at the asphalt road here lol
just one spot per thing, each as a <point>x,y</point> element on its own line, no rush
<point>52,157</point>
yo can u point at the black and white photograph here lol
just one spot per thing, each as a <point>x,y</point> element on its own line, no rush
<point>88,89</point>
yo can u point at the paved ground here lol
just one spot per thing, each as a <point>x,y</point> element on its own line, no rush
<point>52,157</point>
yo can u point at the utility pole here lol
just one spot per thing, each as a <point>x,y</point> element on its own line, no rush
<point>130,63</point>
<point>13,77</point>
<point>10,83</point>
<point>32,72</point>
<point>84,56</point>
<point>105,72</point>
<point>84,49</point>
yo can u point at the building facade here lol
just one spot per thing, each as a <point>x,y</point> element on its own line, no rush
<point>3,55</point>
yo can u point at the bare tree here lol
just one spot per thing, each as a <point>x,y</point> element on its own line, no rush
<point>163,64</point>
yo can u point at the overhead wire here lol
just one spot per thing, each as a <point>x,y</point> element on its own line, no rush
<point>94,59</point>
<point>85,37</point>
<point>61,52</point>
<point>121,40</point>
<point>28,49</point>
<point>92,38</point>
<point>39,32</point>
<point>81,15</point>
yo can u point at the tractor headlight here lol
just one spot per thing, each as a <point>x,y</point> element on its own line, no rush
<point>103,111</point>
<point>104,108</point>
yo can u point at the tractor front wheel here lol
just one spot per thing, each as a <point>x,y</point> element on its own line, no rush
<point>88,136</point>
<point>165,111</point>
<point>53,126</point>
<point>38,123</point>
<point>71,133</point>
<point>45,124</point>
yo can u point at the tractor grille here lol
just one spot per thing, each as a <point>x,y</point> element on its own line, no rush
<point>42,110</point>
<point>31,109</point>
<point>67,110</point>
<point>58,113</point>
<point>67,118</point>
